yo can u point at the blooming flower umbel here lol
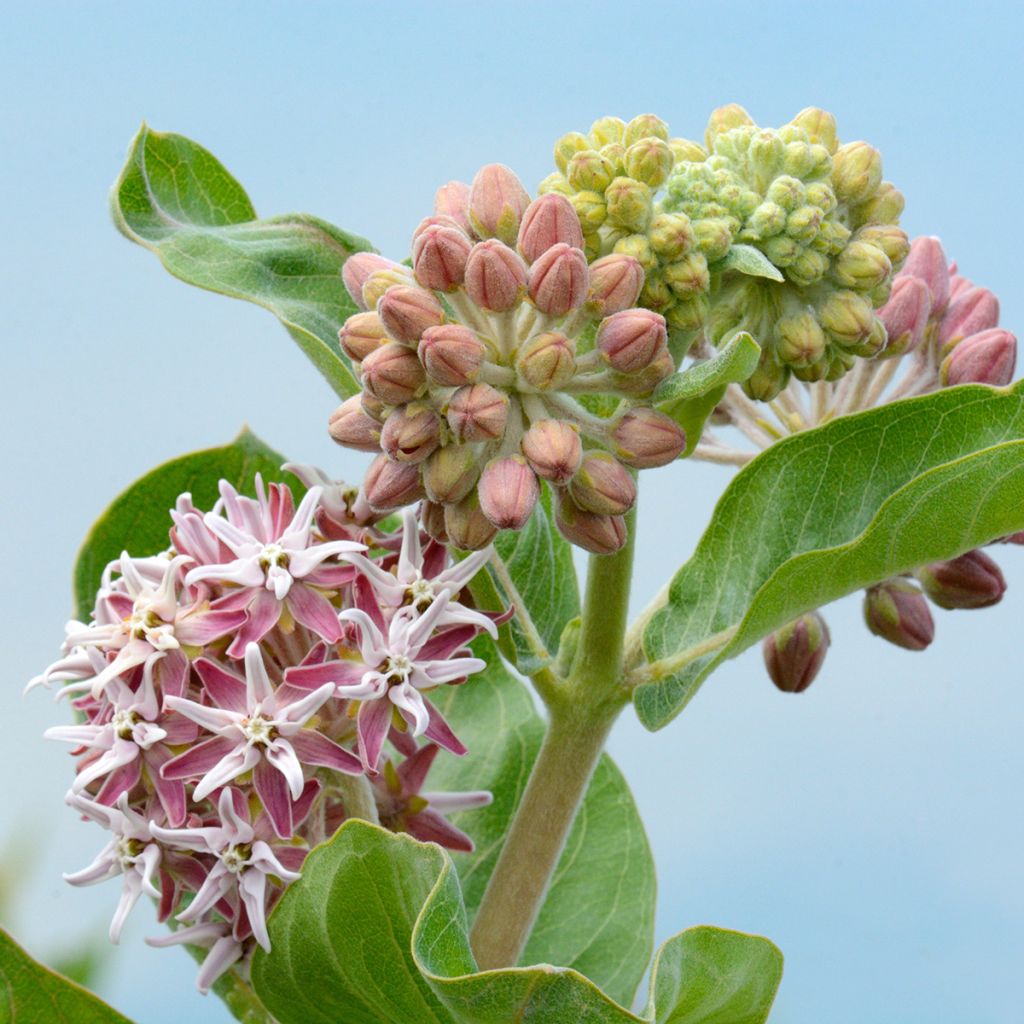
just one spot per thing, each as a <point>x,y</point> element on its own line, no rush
<point>213,769</point>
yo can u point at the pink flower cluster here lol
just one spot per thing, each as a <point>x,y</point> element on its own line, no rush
<point>230,690</point>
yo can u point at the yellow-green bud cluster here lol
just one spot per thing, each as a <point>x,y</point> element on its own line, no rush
<point>821,214</point>
<point>612,176</point>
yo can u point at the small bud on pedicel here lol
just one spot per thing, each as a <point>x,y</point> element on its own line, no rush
<point>360,335</point>
<point>856,171</point>
<point>603,485</point>
<point>495,276</point>
<point>897,611</point>
<point>452,354</point>
<point>649,160</point>
<point>549,220</point>
<point>547,361</point>
<point>393,374</point>
<point>820,125</point>
<point>478,413</point>
<point>508,492</point>
<point>615,283</point>
<point>432,518</point>
<point>389,485</point>
<point>451,473</point>
<point>467,526</point>
<point>553,450</point>
<point>646,438</point>
<point>986,358</point>
<point>601,535</point>
<point>411,433</point>
<point>452,200</point>
<point>350,426</point>
<point>972,311</point>
<point>906,314</point>
<point>558,280</point>
<point>497,202</point>
<point>631,340</point>
<point>971,581</point>
<point>928,262</point>
<point>724,119</point>
<point>358,268</point>
<point>408,311</point>
<point>439,258</point>
<point>794,654</point>
<point>629,204</point>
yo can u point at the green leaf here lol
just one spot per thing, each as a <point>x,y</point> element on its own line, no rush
<point>829,511</point>
<point>375,932</point>
<point>176,199</point>
<point>713,976</point>
<point>692,413</point>
<point>538,562</point>
<point>749,260</point>
<point>598,916</point>
<point>137,520</point>
<point>734,363</point>
<point>33,993</point>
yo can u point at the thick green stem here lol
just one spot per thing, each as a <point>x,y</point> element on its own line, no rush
<point>582,714</point>
<point>357,796</point>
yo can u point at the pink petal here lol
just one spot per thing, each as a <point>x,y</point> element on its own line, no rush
<point>226,688</point>
<point>447,642</point>
<point>429,827</point>
<point>340,673</point>
<point>272,790</point>
<point>413,770</point>
<point>372,724</point>
<point>259,688</point>
<point>237,762</point>
<point>263,612</point>
<point>314,611</point>
<point>440,732</point>
<point>201,628</point>
<point>312,747</point>
<point>366,600</point>
<point>199,760</point>
<point>212,719</point>
<point>170,792</point>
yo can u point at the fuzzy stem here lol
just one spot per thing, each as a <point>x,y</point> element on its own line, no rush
<point>357,796</point>
<point>581,719</point>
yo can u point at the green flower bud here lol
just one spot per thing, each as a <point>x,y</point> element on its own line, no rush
<point>590,208</point>
<point>874,344</point>
<point>688,314</point>
<point>765,154</point>
<point>857,171</point>
<point>588,170</point>
<point>803,223</point>
<point>688,275</point>
<point>607,129</point>
<point>884,207</point>
<point>724,119</point>
<point>781,250</point>
<point>863,266</point>
<point>684,150</point>
<point>820,126</point>
<point>807,268</point>
<point>768,220</point>
<point>649,160</point>
<point>847,317</point>
<point>788,192</point>
<point>656,293</point>
<point>644,126</point>
<point>800,339</point>
<point>767,380</point>
<point>671,235</point>
<point>629,204</point>
<point>892,240</point>
<point>821,195</point>
<point>555,183</point>
<point>615,154</point>
<point>639,247</point>
<point>713,238</point>
<point>567,147</point>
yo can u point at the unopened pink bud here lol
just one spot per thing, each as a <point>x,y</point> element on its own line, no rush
<point>559,280</point>
<point>360,335</point>
<point>350,426</point>
<point>957,284</point>
<point>642,383</point>
<point>603,485</point>
<point>495,276</point>
<point>615,284</point>
<point>411,433</point>
<point>549,220</point>
<point>497,202</point>
<point>898,612</point>
<point>452,200</point>
<point>407,311</point>
<point>905,315</point>
<point>439,256</point>
<point>971,581</point>
<point>392,374</point>
<point>601,535</point>
<point>928,262</point>
<point>380,281</point>
<point>972,311</point>
<point>794,654</point>
<point>631,340</point>
<point>478,413</point>
<point>467,526</point>
<point>645,438</point>
<point>508,492</point>
<point>553,449</point>
<point>452,354</point>
<point>357,269</point>
<point>432,520</point>
<point>989,357</point>
<point>547,361</point>
<point>389,485</point>
<point>451,473</point>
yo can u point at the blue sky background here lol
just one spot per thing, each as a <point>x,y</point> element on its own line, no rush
<point>872,827</point>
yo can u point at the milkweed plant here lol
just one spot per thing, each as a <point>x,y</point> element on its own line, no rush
<point>299,709</point>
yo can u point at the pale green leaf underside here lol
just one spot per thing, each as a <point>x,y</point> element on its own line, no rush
<point>137,520</point>
<point>830,511</point>
<point>176,199</point>
<point>598,916</point>
<point>33,994</point>
<point>375,932</point>
<point>749,260</point>
<point>735,362</point>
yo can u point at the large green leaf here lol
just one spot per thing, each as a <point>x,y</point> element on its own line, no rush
<point>177,199</point>
<point>598,916</point>
<point>33,994</point>
<point>538,561</point>
<point>137,520</point>
<point>375,932</point>
<point>829,511</point>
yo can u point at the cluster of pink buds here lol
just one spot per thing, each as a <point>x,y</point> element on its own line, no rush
<point>480,367</point>
<point>943,331</point>
<point>232,690</point>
